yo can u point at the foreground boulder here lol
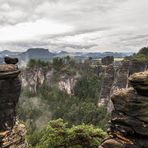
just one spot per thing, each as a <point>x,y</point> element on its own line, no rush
<point>12,132</point>
<point>129,120</point>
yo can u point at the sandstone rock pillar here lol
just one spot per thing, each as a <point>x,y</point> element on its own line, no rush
<point>12,133</point>
<point>129,120</point>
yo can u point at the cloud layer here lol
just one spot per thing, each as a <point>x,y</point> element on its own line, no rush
<point>74,25</point>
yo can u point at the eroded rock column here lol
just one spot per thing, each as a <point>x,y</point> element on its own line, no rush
<point>129,121</point>
<point>12,132</point>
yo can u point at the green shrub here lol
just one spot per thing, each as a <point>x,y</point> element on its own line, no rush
<point>57,135</point>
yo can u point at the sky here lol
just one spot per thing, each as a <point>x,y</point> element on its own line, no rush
<point>74,25</point>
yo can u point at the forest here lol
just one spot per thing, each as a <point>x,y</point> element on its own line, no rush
<point>52,111</point>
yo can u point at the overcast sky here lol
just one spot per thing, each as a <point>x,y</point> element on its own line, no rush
<point>74,25</point>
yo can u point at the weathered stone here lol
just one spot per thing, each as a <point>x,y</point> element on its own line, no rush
<point>119,80</point>
<point>140,82</point>
<point>106,85</point>
<point>107,60</point>
<point>14,138</point>
<point>129,119</point>
<point>12,133</point>
<point>9,60</point>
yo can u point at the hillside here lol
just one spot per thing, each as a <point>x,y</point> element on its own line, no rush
<point>142,55</point>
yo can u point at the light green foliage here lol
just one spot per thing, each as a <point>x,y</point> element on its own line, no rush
<point>57,135</point>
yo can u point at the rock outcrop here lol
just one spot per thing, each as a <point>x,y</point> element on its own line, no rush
<point>106,86</point>
<point>12,132</point>
<point>129,120</point>
<point>119,80</point>
<point>107,60</point>
<point>34,78</point>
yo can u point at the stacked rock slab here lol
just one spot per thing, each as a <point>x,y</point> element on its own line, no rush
<point>12,133</point>
<point>129,120</point>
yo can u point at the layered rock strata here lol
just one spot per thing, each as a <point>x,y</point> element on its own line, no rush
<point>119,79</point>
<point>129,120</point>
<point>12,133</point>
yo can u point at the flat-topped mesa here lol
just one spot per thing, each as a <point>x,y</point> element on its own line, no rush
<point>129,119</point>
<point>10,88</point>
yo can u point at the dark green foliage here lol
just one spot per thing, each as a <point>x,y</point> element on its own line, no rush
<point>87,87</point>
<point>79,108</point>
<point>57,135</point>
<point>142,55</point>
<point>37,63</point>
<point>58,63</point>
<point>144,51</point>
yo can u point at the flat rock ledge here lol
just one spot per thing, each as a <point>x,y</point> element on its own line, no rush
<point>129,119</point>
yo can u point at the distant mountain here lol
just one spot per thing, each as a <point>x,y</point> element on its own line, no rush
<point>8,53</point>
<point>94,55</point>
<point>104,54</point>
<point>35,53</point>
<point>61,54</point>
<point>44,54</point>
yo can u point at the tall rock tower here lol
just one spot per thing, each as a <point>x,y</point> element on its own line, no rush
<point>129,120</point>
<point>12,132</point>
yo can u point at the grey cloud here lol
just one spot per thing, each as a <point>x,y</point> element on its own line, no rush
<point>135,37</point>
<point>101,24</point>
<point>77,12</point>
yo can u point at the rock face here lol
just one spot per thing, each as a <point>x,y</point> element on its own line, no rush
<point>108,79</point>
<point>107,60</point>
<point>33,78</point>
<point>67,84</point>
<point>129,120</point>
<point>119,79</point>
<point>12,133</point>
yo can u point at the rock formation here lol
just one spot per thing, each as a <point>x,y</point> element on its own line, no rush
<point>129,119</point>
<point>33,78</point>
<point>107,60</point>
<point>106,86</point>
<point>9,60</point>
<point>12,132</point>
<point>119,79</point>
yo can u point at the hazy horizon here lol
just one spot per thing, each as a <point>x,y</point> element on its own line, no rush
<point>58,51</point>
<point>74,26</point>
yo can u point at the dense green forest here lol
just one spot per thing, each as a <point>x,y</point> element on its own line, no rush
<point>79,110</point>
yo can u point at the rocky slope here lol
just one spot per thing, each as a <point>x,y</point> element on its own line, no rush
<point>129,120</point>
<point>12,132</point>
